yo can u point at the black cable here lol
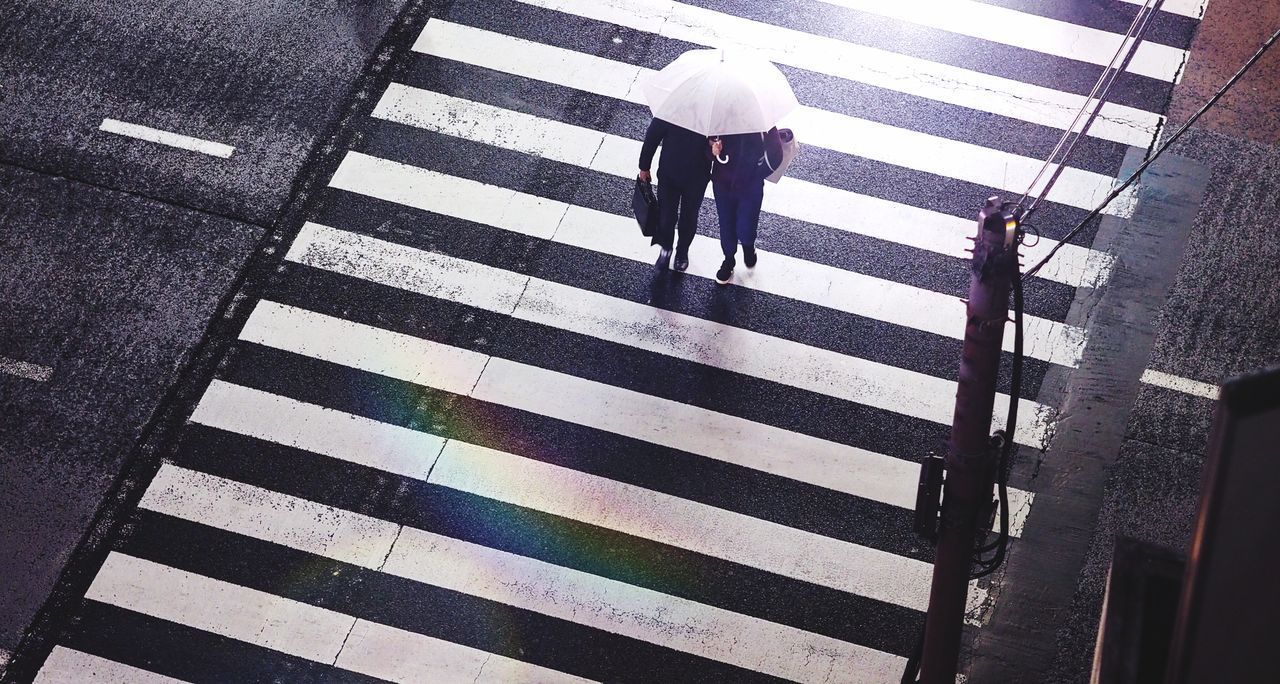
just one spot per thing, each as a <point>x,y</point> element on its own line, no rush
<point>1001,545</point>
<point>912,669</point>
<point>1177,134</point>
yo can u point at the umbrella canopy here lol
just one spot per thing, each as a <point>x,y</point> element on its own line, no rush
<point>718,92</point>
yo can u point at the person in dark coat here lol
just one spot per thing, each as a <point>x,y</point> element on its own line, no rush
<point>741,163</point>
<point>683,172</point>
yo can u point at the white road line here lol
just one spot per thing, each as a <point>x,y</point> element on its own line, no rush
<point>281,624</point>
<point>320,430</point>
<point>22,369</point>
<point>597,405</point>
<point>1173,382</point>
<point>822,285</point>
<point>1028,31</point>
<point>69,666</point>
<point>256,617</point>
<point>846,134</point>
<point>901,224</point>
<point>648,328</point>
<point>1187,8</point>
<point>883,220</point>
<point>818,284</point>
<point>697,527</point>
<point>636,612</point>
<point>514,580</point>
<point>155,135</point>
<point>397,655</point>
<point>617,156</point>
<point>602,502</point>
<point>880,68</point>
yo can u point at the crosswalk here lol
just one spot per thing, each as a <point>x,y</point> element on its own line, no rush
<point>469,434</point>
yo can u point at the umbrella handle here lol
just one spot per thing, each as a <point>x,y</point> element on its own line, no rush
<point>723,158</point>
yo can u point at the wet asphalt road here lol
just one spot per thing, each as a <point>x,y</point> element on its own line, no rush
<point>116,253</point>
<point>172,232</point>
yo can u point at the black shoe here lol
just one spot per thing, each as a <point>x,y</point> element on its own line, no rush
<point>664,259</point>
<point>725,272</point>
<point>682,261</point>
<point>749,257</point>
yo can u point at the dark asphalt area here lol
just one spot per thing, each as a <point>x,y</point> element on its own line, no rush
<point>116,253</point>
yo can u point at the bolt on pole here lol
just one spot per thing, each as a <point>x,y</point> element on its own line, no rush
<point>971,459</point>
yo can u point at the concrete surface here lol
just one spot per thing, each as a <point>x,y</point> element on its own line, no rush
<point>1207,333</point>
<point>115,252</point>
<point>269,83</point>
<point>1042,576</point>
<point>1219,320</point>
<point>1231,32</point>
<point>265,77</point>
<point>110,291</point>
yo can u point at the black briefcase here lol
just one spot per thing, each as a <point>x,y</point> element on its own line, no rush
<point>645,204</point>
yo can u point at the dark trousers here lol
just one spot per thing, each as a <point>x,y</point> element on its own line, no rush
<point>678,205</point>
<point>739,212</point>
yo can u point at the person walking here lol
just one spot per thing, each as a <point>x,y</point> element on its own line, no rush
<point>684,169</point>
<point>740,164</point>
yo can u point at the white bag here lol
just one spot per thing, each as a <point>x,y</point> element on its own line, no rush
<point>790,150</point>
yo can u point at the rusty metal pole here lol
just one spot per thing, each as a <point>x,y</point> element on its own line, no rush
<point>971,460</point>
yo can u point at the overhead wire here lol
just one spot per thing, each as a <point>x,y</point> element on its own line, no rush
<point>1156,155</point>
<point>1003,440</point>
<point>1101,88</point>
<point>1006,442</point>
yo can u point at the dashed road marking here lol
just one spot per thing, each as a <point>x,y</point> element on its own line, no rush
<point>155,135</point>
<point>1173,382</point>
<point>22,369</point>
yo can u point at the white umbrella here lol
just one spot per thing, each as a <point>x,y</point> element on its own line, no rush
<point>714,92</point>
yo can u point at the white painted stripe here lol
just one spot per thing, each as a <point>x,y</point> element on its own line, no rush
<point>818,284</point>
<point>155,135</point>
<point>1187,8</point>
<point>597,405</point>
<point>22,369</point>
<point>350,437</point>
<point>889,221</point>
<point>69,666</point>
<point>1028,31</point>
<point>697,527</point>
<point>597,501</point>
<point>397,655</point>
<point>359,440</point>
<point>248,615</point>
<point>533,585</point>
<point>1173,382</point>
<point>880,68</point>
<point>822,285</point>
<point>795,198</point>
<point>356,540</point>
<point>785,276</point>
<point>842,133</point>
<point>289,626</point>
<point>648,328</point>
<point>636,612</point>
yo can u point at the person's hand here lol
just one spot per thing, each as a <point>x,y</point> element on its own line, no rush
<point>645,177</point>
<point>717,146</point>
